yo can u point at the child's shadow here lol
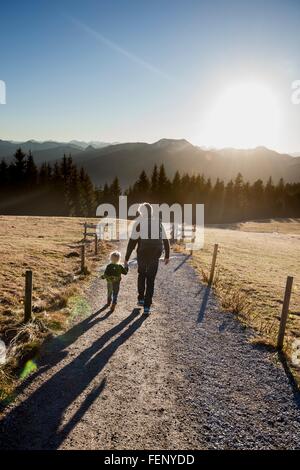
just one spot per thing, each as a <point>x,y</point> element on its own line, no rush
<point>108,313</point>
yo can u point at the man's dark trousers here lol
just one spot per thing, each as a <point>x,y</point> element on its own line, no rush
<point>147,269</point>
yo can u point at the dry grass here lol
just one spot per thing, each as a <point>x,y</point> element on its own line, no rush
<point>41,244</point>
<point>254,260</point>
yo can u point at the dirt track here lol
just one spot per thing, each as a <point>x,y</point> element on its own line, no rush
<point>184,378</point>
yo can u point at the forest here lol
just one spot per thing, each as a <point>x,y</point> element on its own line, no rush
<point>62,189</point>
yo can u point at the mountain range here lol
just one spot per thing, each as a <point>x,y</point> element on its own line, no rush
<point>104,161</point>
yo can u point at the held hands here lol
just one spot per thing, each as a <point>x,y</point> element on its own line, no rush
<point>126,262</point>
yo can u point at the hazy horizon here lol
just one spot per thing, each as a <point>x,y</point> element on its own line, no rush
<point>115,142</point>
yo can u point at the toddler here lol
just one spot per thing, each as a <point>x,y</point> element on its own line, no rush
<point>112,274</point>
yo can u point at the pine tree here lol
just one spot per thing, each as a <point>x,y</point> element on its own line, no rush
<point>162,185</point>
<point>31,172</point>
<point>141,189</point>
<point>19,167</point>
<point>3,174</point>
<point>229,202</point>
<point>216,203</point>
<point>238,209</point>
<point>257,199</point>
<point>176,187</point>
<point>43,175</point>
<point>87,195</point>
<point>154,184</point>
<point>280,198</point>
<point>115,189</point>
<point>114,192</point>
<point>106,193</point>
<point>270,199</point>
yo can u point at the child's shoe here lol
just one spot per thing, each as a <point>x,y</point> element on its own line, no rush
<point>147,310</point>
<point>140,303</point>
<point>113,306</point>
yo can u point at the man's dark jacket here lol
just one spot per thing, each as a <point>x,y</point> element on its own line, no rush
<point>147,248</point>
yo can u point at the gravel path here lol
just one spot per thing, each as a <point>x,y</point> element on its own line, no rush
<point>186,377</point>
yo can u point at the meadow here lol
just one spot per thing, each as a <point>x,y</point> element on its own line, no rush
<point>254,260</point>
<point>49,247</point>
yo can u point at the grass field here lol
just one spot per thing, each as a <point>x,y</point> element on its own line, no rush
<point>42,244</point>
<point>254,260</point>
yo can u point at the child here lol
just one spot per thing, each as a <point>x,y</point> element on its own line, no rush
<point>112,274</point>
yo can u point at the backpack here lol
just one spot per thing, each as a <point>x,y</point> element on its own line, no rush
<point>151,247</point>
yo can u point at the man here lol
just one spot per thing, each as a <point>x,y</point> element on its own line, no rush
<point>150,243</point>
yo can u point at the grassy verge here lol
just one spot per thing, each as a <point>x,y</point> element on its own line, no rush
<point>253,262</point>
<point>49,247</point>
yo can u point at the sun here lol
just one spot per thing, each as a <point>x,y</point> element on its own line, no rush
<point>245,115</point>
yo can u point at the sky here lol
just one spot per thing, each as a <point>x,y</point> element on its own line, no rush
<point>217,73</point>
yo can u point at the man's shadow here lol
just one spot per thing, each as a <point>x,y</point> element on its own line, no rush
<point>36,422</point>
<point>53,351</point>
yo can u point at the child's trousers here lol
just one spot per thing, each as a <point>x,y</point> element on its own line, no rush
<point>113,291</point>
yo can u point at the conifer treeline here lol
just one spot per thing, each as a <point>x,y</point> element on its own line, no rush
<point>235,201</point>
<point>63,189</point>
<point>59,189</point>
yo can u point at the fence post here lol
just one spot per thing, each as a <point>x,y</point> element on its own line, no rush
<point>118,229</point>
<point>28,296</point>
<point>96,244</point>
<point>82,258</point>
<point>285,311</point>
<point>193,238</point>
<point>213,264</point>
<point>172,233</point>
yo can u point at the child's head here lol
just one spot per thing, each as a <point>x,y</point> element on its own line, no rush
<point>115,257</point>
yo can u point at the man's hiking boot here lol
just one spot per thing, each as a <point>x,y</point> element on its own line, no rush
<point>140,303</point>
<point>147,310</point>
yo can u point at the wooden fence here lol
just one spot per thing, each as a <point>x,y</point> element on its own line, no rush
<point>285,303</point>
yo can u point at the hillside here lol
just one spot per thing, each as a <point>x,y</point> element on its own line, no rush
<point>49,247</point>
<point>127,160</point>
<point>49,150</point>
<point>42,151</point>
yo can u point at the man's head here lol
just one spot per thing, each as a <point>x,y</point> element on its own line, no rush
<point>145,209</point>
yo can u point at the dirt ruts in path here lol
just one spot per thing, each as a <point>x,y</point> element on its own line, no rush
<point>186,377</point>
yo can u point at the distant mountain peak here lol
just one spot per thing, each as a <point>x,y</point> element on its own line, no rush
<point>172,142</point>
<point>90,147</point>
